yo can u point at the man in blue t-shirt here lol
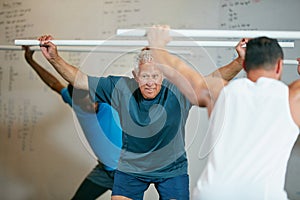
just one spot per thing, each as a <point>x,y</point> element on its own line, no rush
<point>153,114</point>
<point>101,126</point>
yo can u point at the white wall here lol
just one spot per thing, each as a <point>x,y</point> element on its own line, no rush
<point>42,155</point>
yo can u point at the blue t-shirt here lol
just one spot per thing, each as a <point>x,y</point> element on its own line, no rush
<point>102,131</point>
<point>153,130</point>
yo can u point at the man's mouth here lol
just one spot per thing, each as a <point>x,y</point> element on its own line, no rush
<point>149,89</point>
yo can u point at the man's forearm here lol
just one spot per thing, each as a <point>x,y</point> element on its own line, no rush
<point>189,81</point>
<point>70,73</point>
<point>230,70</point>
<point>46,76</point>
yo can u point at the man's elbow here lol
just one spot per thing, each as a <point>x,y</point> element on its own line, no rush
<point>81,81</point>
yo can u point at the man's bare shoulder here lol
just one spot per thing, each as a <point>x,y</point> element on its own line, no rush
<point>294,98</point>
<point>294,87</point>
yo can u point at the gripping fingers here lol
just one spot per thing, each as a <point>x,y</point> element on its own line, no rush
<point>44,40</point>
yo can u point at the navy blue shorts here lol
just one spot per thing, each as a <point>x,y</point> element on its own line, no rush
<point>167,188</point>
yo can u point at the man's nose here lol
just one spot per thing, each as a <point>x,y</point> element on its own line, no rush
<point>150,82</point>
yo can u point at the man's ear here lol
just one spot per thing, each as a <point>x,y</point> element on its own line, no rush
<point>135,75</point>
<point>279,67</point>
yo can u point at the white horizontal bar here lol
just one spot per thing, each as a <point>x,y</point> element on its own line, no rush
<point>138,43</point>
<point>290,62</point>
<point>216,33</point>
<point>69,49</point>
<point>80,42</point>
<point>8,47</point>
<point>221,43</point>
<point>89,49</point>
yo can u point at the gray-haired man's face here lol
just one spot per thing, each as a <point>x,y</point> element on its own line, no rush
<point>149,79</point>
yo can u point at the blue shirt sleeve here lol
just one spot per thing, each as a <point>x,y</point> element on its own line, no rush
<point>66,96</point>
<point>102,131</point>
<point>100,89</point>
<point>110,123</point>
<point>107,89</point>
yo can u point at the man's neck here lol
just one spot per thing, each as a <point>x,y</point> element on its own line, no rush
<point>254,75</point>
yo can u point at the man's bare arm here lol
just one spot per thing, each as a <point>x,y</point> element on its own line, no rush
<point>294,97</point>
<point>190,82</point>
<point>200,90</point>
<point>70,73</point>
<point>46,76</point>
<point>230,70</point>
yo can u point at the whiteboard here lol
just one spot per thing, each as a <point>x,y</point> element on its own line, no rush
<point>43,152</point>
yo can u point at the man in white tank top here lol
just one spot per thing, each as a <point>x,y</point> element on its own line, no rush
<point>254,121</point>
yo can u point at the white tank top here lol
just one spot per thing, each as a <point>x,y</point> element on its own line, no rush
<point>249,140</point>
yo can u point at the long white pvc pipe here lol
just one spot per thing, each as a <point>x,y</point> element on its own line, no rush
<point>89,49</point>
<point>216,33</point>
<point>138,43</point>
<point>290,62</point>
<point>67,48</point>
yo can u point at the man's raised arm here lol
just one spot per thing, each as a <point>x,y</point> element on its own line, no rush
<point>190,82</point>
<point>294,96</point>
<point>230,70</point>
<point>70,73</point>
<point>200,90</point>
<point>46,76</point>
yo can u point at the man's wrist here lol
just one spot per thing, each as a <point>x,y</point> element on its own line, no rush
<point>240,61</point>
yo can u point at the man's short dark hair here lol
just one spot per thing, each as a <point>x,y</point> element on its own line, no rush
<point>262,52</point>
